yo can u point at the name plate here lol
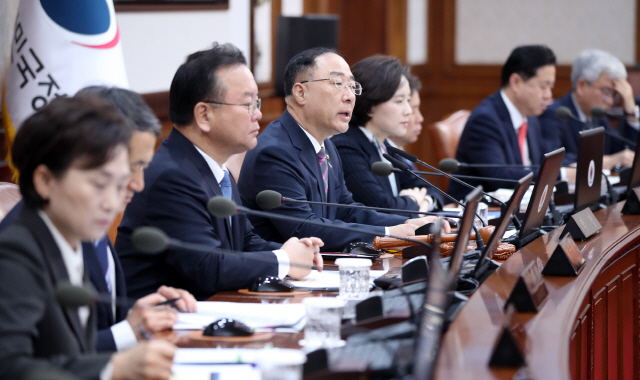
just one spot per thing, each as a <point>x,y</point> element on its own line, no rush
<point>632,205</point>
<point>509,350</point>
<point>530,290</point>
<point>582,225</point>
<point>566,259</point>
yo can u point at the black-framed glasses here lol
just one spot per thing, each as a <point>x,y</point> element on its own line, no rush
<point>353,86</point>
<point>252,107</point>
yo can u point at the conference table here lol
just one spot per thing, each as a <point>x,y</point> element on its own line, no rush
<point>586,328</point>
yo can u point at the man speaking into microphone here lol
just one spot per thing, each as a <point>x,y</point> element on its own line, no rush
<point>295,157</point>
<point>503,129</point>
<point>597,78</point>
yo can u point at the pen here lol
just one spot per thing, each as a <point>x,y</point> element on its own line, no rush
<point>170,302</point>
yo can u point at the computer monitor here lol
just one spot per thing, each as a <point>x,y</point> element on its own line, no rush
<point>464,230</point>
<point>589,169</point>
<point>634,178</point>
<point>505,219</point>
<point>542,193</point>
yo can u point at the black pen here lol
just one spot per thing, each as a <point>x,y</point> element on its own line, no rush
<point>171,302</point>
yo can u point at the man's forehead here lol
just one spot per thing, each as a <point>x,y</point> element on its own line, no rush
<point>333,65</point>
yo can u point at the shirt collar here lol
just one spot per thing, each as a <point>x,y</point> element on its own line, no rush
<point>581,115</point>
<point>369,134</point>
<point>216,169</point>
<point>516,117</point>
<point>316,144</point>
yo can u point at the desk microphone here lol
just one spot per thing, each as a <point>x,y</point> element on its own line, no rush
<point>564,113</point>
<point>222,207</point>
<point>452,165</point>
<point>383,169</point>
<point>70,295</point>
<point>413,158</point>
<point>269,199</point>
<point>401,165</point>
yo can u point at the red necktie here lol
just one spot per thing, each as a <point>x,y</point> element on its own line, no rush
<point>522,135</point>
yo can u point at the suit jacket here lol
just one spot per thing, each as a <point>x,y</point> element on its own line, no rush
<point>105,341</point>
<point>357,154</point>
<point>35,331</point>
<point>179,183</point>
<point>566,133</point>
<point>285,161</point>
<point>489,137</point>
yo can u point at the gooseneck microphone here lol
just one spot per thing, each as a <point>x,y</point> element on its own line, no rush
<point>405,168</point>
<point>70,295</point>
<point>153,240</point>
<point>453,165</point>
<point>413,158</point>
<point>383,169</point>
<point>564,113</point>
<point>270,199</point>
<point>222,207</point>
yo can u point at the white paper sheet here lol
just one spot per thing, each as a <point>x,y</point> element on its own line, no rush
<point>328,280</point>
<point>256,315</point>
<point>215,371</point>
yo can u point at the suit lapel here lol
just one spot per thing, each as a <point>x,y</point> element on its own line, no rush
<point>307,153</point>
<point>57,270</point>
<point>192,154</point>
<point>93,267</point>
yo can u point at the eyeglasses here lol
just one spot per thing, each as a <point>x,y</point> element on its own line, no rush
<point>252,107</point>
<point>138,166</point>
<point>353,86</point>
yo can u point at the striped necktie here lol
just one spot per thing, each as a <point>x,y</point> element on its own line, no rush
<point>324,168</point>
<point>225,186</point>
<point>103,256</point>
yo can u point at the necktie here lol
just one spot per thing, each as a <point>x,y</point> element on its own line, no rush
<point>324,168</point>
<point>522,135</point>
<point>103,256</point>
<point>225,186</point>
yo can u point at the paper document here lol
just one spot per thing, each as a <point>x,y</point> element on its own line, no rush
<point>328,280</point>
<point>215,372</point>
<point>256,315</point>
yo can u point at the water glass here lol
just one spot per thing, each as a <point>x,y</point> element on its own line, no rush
<point>281,364</point>
<point>354,278</point>
<point>324,317</point>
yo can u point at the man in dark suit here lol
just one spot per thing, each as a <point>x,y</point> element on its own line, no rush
<point>295,157</point>
<point>120,327</point>
<point>503,129</point>
<point>215,108</point>
<point>597,78</point>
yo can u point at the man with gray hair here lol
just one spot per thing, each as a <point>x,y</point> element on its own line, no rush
<point>598,79</point>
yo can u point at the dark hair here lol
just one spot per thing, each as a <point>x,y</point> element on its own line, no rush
<point>67,129</point>
<point>380,76</point>
<point>300,64</point>
<point>130,105</point>
<point>525,61</point>
<point>414,81</point>
<point>196,80</point>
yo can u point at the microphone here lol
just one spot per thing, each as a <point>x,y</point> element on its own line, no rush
<point>413,158</point>
<point>564,113</point>
<point>453,165</point>
<point>384,169</point>
<point>405,168</point>
<point>74,296</point>
<point>598,112</point>
<point>269,199</point>
<point>222,207</point>
<point>153,240</point>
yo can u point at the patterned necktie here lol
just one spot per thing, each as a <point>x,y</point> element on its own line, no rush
<point>324,168</point>
<point>103,256</point>
<point>522,135</point>
<point>225,186</point>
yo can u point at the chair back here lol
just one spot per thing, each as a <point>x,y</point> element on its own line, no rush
<point>9,196</point>
<point>445,135</point>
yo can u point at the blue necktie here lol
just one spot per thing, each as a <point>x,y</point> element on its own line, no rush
<point>103,256</point>
<point>225,186</point>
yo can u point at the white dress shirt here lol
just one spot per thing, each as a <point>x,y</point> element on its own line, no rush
<point>218,173</point>
<point>517,119</point>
